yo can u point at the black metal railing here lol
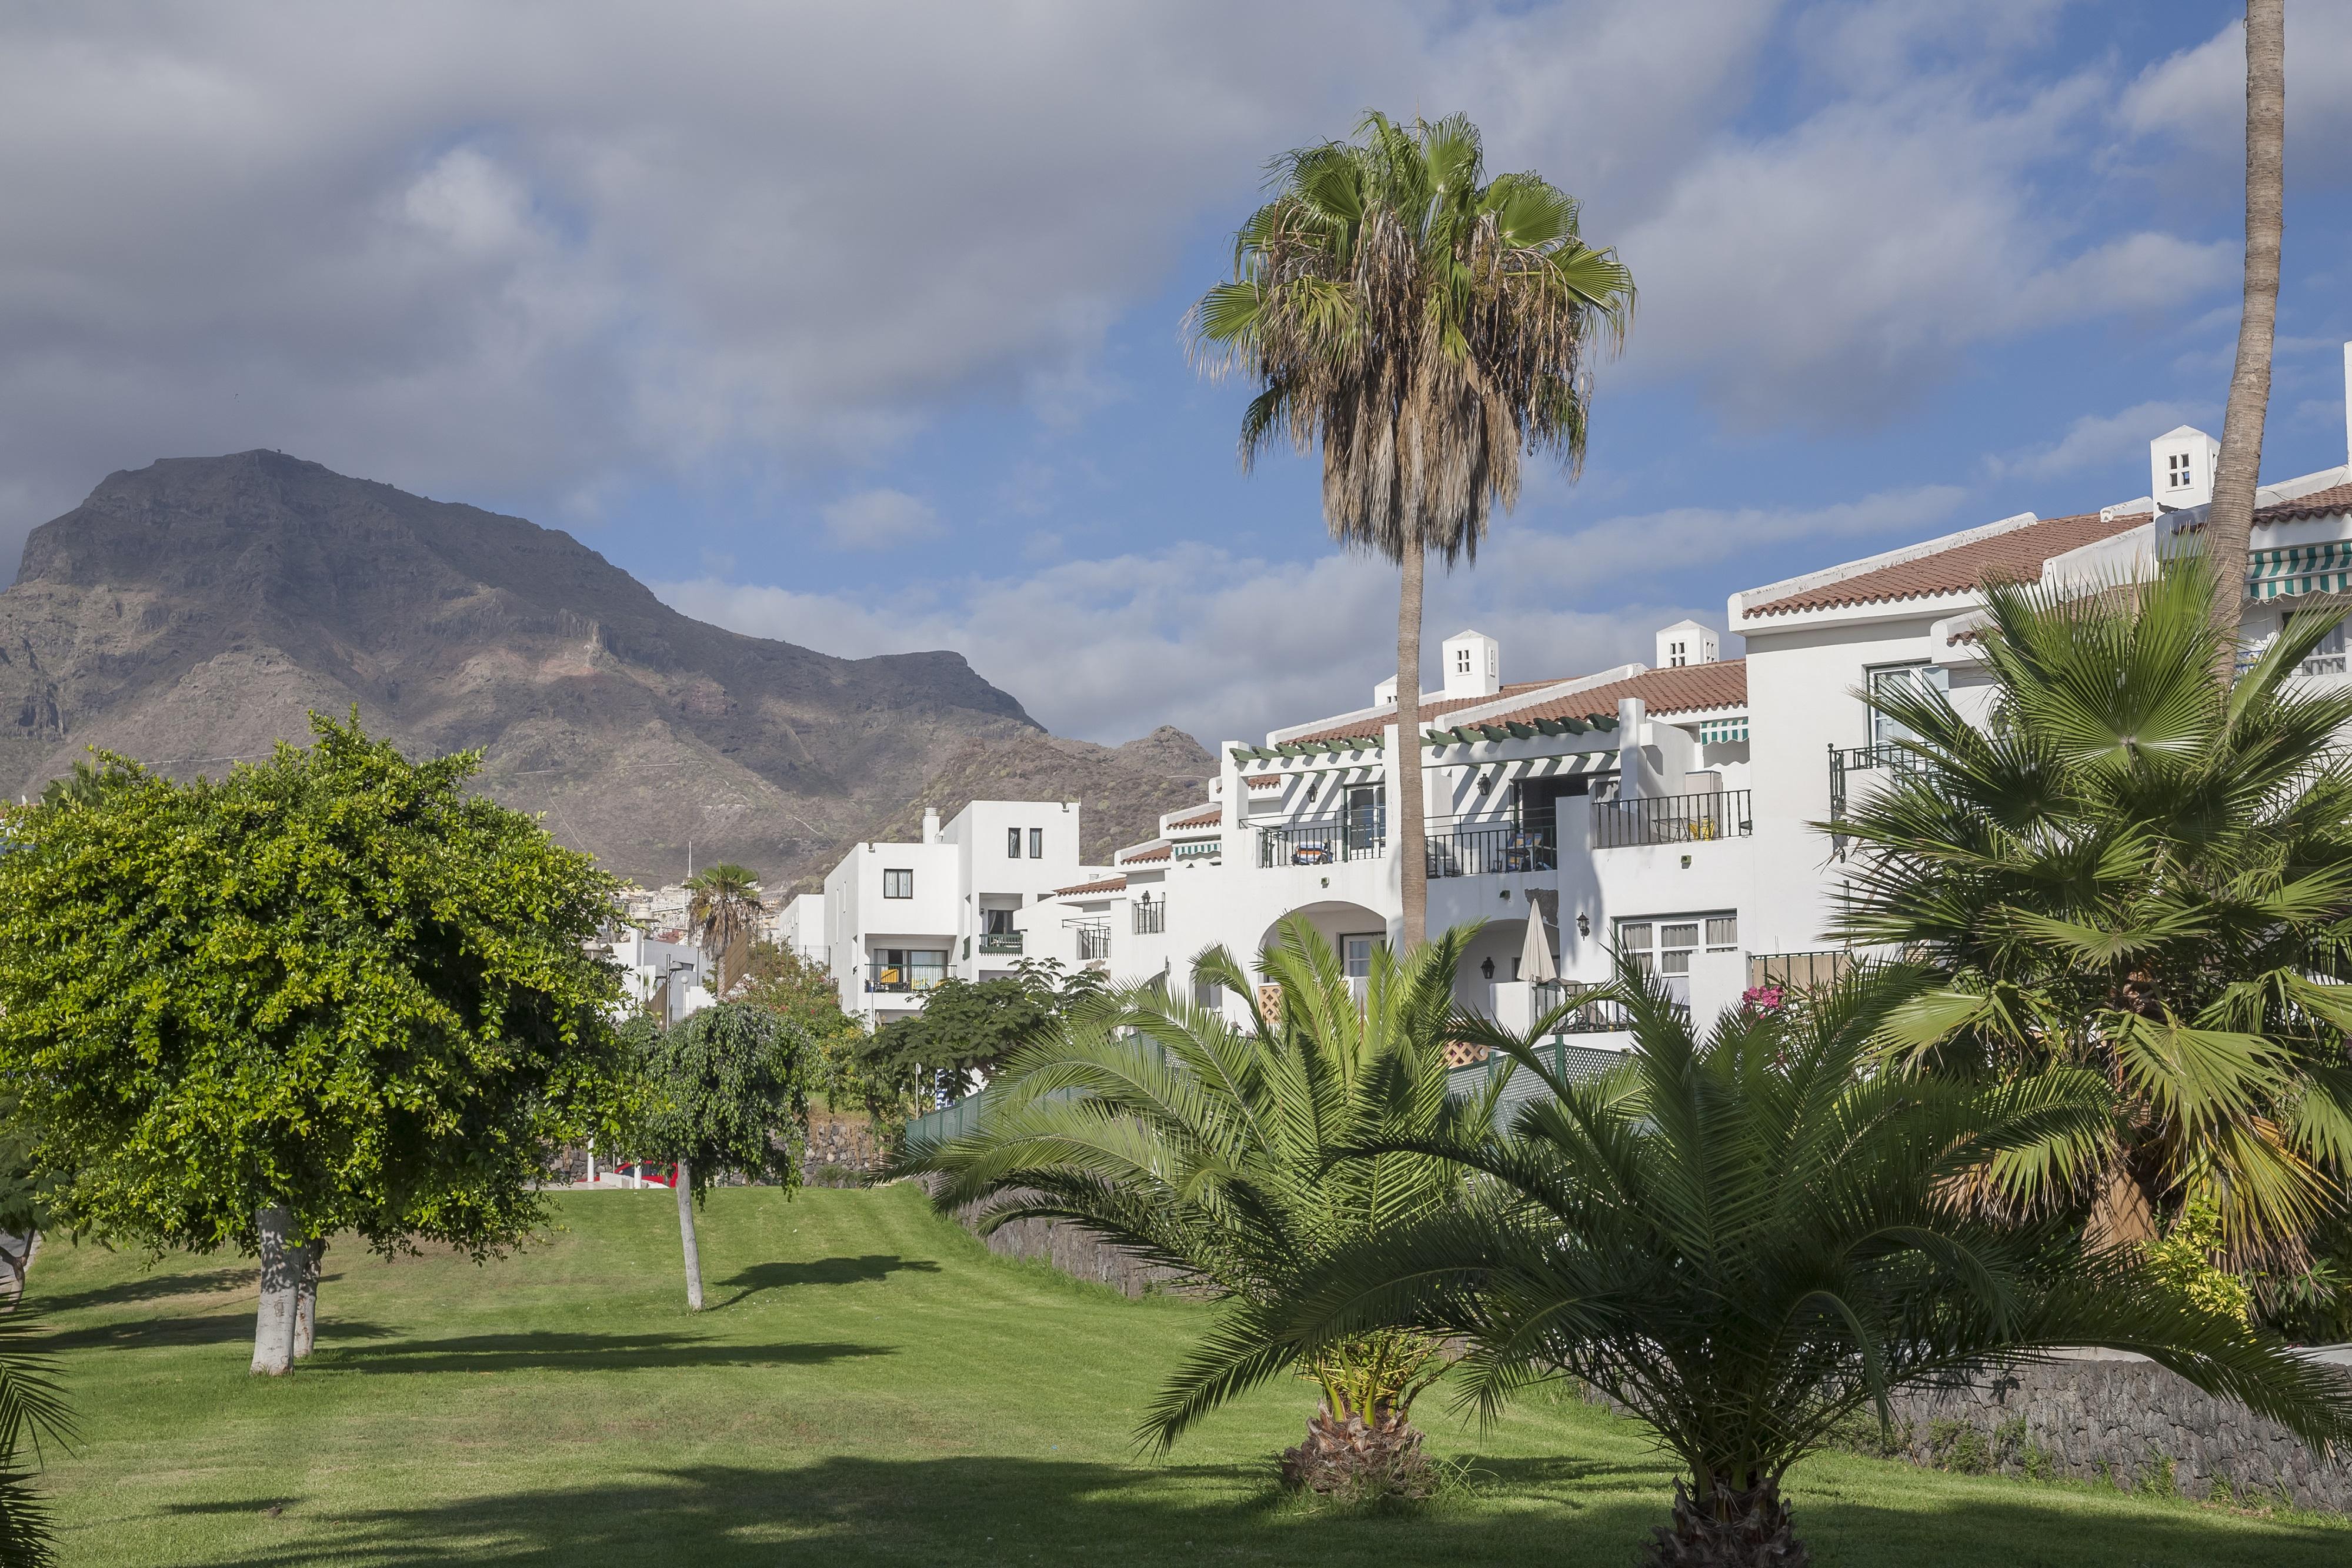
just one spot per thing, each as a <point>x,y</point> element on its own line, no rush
<point>1672,819</point>
<point>1321,843</point>
<point>1492,849</point>
<point>1006,941</point>
<point>1151,919</point>
<point>1094,943</point>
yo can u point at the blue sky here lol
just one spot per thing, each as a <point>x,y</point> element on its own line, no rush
<point>859,326</point>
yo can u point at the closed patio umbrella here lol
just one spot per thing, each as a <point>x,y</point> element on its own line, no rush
<point>1535,958</point>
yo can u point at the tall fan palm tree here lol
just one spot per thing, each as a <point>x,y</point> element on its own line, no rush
<point>1426,325</point>
<point>2133,872</point>
<point>724,907</point>
<point>1209,1152</point>
<point>2230,522</point>
<point>1745,1242</point>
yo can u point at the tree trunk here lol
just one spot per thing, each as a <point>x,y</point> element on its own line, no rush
<point>1347,1455</point>
<point>2230,522</point>
<point>686,1238</point>
<point>1410,842</point>
<point>306,1297</point>
<point>1732,1530</point>
<point>273,1322</point>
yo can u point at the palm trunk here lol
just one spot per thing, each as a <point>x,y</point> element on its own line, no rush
<point>1728,1528</point>
<point>2230,522</point>
<point>306,1297</point>
<point>273,1320</point>
<point>686,1238</point>
<point>1346,1455</point>
<point>1412,838</point>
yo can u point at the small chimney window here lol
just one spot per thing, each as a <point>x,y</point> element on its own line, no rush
<point>2177,467</point>
<point>1460,661</point>
<point>1678,651</point>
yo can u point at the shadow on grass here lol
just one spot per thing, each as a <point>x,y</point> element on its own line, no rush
<point>581,1352</point>
<point>150,1288</point>
<point>212,1329</point>
<point>864,1270</point>
<point>852,1512</point>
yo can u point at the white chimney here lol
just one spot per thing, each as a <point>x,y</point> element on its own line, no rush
<point>930,825</point>
<point>1688,642</point>
<point>2180,465</point>
<point>1473,665</point>
<point>1384,693</point>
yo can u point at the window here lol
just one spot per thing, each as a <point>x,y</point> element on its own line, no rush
<point>1662,944</point>
<point>1460,661</point>
<point>1917,679</point>
<point>1207,994</point>
<point>2176,469</point>
<point>907,969</point>
<point>996,922</point>
<point>1355,955</point>
<point>1012,843</point>
<point>2327,658</point>
<point>898,884</point>
<point>1036,844</point>
<point>1675,652</point>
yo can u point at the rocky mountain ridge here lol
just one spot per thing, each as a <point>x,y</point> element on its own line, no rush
<point>193,612</point>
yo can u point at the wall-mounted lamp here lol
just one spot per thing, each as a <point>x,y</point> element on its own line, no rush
<point>1583,924</point>
<point>1503,893</point>
<point>1485,783</point>
<point>1487,969</point>
<point>1685,862</point>
<point>1312,785</point>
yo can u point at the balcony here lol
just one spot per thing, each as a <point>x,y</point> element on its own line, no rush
<point>1597,1017</point>
<point>1490,849</point>
<point>1672,819</point>
<point>1151,919</point>
<point>1093,944</point>
<point>1007,942</point>
<point>1322,842</point>
<point>902,977</point>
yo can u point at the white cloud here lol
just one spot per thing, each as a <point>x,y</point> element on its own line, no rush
<point>880,520</point>
<point>1229,645</point>
<point>2197,99</point>
<point>2115,440</point>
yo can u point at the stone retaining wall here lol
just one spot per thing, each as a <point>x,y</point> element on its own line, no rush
<point>1078,1252</point>
<point>2122,1419</point>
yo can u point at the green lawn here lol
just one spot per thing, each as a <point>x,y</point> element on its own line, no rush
<point>869,1386</point>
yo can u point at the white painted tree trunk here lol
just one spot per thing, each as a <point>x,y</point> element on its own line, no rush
<point>273,1320</point>
<point>686,1236</point>
<point>306,1297</point>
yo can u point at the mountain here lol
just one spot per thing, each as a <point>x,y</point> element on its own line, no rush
<point>193,612</point>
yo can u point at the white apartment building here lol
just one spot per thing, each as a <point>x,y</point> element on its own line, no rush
<point>896,918</point>
<point>1669,809</point>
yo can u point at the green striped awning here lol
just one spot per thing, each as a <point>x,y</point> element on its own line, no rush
<point>1717,732</point>
<point>2323,568</point>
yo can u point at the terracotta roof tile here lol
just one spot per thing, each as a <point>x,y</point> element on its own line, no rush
<point>2014,556</point>
<point>1370,727</point>
<point>1263,780</point>
<point>2318,503</point>
<point>1147,857</point>
<point>1686,689</point>
<point>1106,885</point>
<point>1207,815</point>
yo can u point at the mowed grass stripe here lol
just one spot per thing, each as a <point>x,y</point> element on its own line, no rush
<point>870,1384</point>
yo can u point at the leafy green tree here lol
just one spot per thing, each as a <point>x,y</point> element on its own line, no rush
<point>723,909</point>
<point>2130,871</point>
<point>726,1093</point>
<point>1746,1241</point>
<point>329,993</point>
<point>1426,325</point>
<point>802,992</point>
<point>1211,1151</point>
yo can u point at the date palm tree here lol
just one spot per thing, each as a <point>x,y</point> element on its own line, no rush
<point>2231,520</point>
<point>2131,871</point>
<point>1743,1242</point>
<point>1209,1150</point>
<point>724,907</point>
<point>32,1407</point>
<point>1426,325</point>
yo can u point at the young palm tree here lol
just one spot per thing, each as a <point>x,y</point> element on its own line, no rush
<point>1745,1241</point>
<point>1209,1152</point>
<point>2231,521</point>
<point>725,907</point>
<point>1426,325</point>
<point>2133,872</point>
<point>32,1407</point>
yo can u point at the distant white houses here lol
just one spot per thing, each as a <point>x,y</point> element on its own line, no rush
<point>1681,813</point>
<point>895,920</point>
